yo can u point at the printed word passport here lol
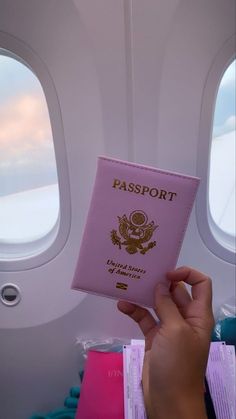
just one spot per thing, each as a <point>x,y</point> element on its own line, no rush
<point>135,227</point>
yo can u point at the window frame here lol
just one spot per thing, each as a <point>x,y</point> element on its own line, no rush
<point>21,256</point>
<point>217,241</point>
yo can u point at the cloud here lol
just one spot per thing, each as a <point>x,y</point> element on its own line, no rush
<point>24,122</point>
<point>26,146</point>
<point>25,131</point>
<point>230,123</point>
<point>228,126</point>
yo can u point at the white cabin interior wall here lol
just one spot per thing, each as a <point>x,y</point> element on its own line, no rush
<point>129,76</point>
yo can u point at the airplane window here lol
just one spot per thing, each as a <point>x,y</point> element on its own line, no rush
<point>222,157</point>
<point>29,196</point>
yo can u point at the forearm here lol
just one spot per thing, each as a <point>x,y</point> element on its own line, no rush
<point>178,409</point>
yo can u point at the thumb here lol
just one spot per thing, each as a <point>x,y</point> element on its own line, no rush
<point>165,308</point>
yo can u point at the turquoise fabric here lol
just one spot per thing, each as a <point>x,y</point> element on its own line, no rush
<point>71,402</point>
<point>75,392</point>
<point>67,412</point>
<point>225,330</point>
<point>81,374</point>
<point>64,413</point>
<point>57,414</point>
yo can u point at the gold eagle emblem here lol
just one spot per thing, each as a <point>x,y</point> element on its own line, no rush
<point>135,231</point>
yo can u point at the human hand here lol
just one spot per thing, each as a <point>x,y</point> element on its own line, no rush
<point>176,348</point>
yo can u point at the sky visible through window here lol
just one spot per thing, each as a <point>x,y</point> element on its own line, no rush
<point>222,158</point>
<point>27,159</point>
<point>29,197</point>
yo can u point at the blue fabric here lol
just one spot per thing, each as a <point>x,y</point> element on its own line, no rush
<point>71,402</point>
<point>75,392</point>
<point>65,413</point>
<point>225,330</point>
<point>68,412</point>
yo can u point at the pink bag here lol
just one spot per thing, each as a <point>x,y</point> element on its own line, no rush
<point>102,393</point>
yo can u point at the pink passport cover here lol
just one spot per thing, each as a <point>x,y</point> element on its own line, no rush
<point>134,231</point>
<point>102,393</point>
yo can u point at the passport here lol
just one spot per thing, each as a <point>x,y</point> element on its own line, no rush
<point>135,227</point>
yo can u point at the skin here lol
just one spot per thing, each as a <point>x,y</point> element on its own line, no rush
<point>177,346</point>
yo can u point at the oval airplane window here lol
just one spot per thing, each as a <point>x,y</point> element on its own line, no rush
<point>29,195</point>
<point>222,160</point>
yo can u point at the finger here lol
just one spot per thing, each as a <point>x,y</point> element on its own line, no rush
<point>165,307</point>
<point>139,314</point>
<point>201,284</point>
<point>181,295</point>
<point>145,378</point>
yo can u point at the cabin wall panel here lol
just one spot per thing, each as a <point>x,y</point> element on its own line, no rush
<point>129,76</point>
